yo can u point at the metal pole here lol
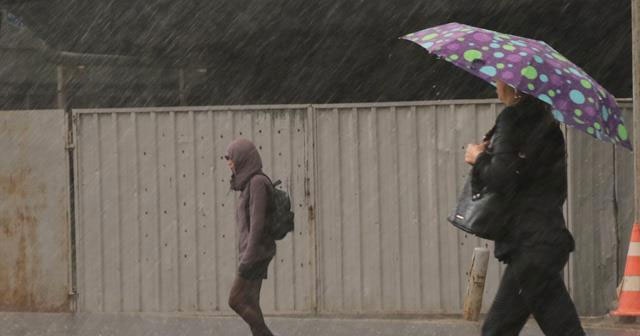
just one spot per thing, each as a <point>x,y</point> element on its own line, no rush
<point>63,78</point>
<point>182,87</point>
<point>475,286</point>
<point>635,35</point>
<point>62,88</point>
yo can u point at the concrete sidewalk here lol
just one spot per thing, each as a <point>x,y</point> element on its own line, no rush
<point>32,324</point>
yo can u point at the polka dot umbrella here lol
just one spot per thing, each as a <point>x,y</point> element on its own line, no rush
<point>532,67</point>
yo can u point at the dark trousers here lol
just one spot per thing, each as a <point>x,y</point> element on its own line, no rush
<point>532,285</point>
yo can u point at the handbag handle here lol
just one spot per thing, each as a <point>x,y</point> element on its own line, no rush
<point>489,135</point>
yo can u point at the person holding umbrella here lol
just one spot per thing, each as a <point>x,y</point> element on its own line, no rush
<point>524,158</point>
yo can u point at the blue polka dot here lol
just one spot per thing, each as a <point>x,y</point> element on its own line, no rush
<point>519,43</point>
<point>605,113</point>
<point>599,135</point>
<point>489,70</point>
<point>558,71</point>
<point>575,72</point>
<point>427,45</point>
<point>498,54</point>
<point>576,96</point>
<point>558,115</point>
<point>494,45</point>
<point>545,99</point>
<point>538,59</point>
<point>523,54</point>
<point>544,78</point>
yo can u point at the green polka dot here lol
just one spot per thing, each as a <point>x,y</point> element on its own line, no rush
<point>531,86</point>
<point>454,57</point>
<point>461,39</point>
<point>578,112</point>
<point>551,93</point>
<point>508,47</point>
<point>597,126</point>
<point>559,57</point>
<point>530,72</point>
<point>586,84</point>
<point>500,65</point>
<point>590,130</point>
<point>578,121</point>
<point>622,132</point>
<point>590,100</point>
<point>471,55</point>
<point>429,37</point>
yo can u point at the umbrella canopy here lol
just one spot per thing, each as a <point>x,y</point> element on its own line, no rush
<point>532,67</point>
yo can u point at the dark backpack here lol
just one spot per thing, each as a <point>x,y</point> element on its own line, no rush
<point>279,216</point>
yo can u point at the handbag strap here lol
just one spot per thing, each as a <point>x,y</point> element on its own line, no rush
<point>489,135</point>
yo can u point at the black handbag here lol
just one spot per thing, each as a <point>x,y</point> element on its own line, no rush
<point>480,211</point>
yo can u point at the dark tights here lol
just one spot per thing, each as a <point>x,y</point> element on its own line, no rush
<point>245,301</point>
<point>532,285</point>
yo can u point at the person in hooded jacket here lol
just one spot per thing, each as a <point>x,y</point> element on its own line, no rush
<point>256,247</point>
<point>526,161</point>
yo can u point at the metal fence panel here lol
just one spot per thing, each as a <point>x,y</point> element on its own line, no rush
<point>591,218</point>
<point>156,220</point>
<point>600,215</point>
<point>372,185</point>
<point>34,223</point>
<point>624,197</point>
<point>387,176</point>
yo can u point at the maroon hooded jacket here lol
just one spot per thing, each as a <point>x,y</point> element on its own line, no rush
<point>255,243</point>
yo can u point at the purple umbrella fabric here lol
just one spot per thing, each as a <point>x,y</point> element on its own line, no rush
<point>532,67</point>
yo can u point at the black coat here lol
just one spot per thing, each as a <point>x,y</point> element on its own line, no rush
<point>526,160</point>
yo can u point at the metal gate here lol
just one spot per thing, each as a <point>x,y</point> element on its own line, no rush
<point>156,228</point>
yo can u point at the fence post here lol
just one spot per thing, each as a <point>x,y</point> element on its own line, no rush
<point>310,198</point>
<point>475,285</point>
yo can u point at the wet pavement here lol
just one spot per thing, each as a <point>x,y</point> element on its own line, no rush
<point>32,324</point>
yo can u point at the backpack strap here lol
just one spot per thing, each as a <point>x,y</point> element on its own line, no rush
<point>272,185</point>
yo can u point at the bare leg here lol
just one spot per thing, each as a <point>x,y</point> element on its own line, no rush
<point>245,301</point>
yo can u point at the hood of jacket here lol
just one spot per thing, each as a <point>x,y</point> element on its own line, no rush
<point>247,161</point>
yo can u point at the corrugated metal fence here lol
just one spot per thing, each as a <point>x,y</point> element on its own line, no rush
<point>600,214</point>
<point>156,228</point>
<point>387,177</point>
<point>371,186</point>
